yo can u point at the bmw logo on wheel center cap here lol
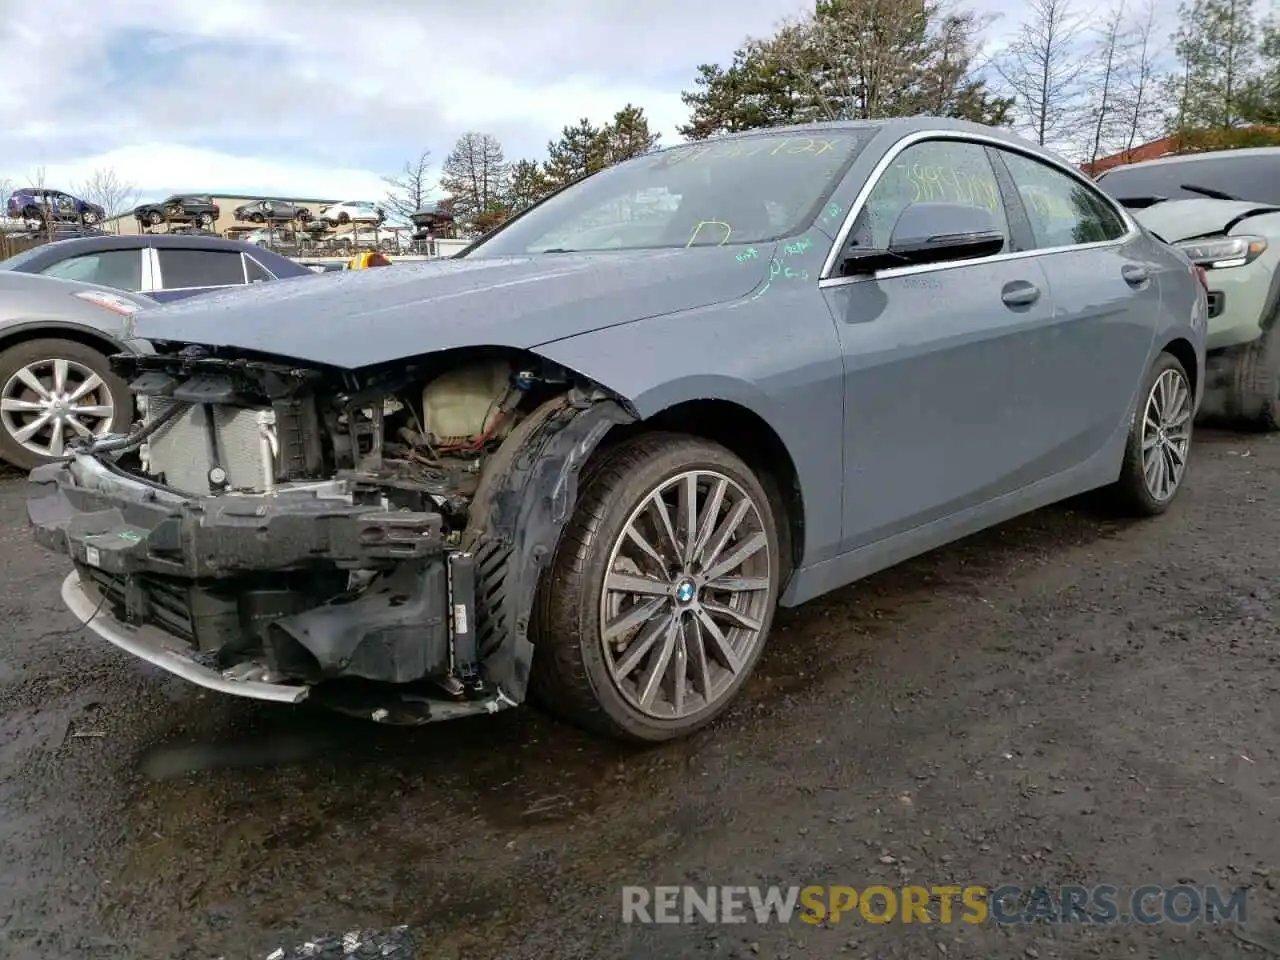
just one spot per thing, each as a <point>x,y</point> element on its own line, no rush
<point>686,591</point>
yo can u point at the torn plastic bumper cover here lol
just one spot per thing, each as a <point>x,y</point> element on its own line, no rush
<point>243,592</point>
<point>251,594</point>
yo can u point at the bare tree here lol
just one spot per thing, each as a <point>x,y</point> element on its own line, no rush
<point>1043,68</point>
<point>1107,64</point>
<point>1138,105</point>
<point>37,182</point>
<point>6,188</point>
<point>115,195</point>
<point>475,176</point>
<point>408,192</point>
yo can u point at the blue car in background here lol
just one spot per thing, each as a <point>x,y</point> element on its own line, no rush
<point>53,206</point>
<point>161,266</point>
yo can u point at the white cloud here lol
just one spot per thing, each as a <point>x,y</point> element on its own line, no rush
<point>323,96</point>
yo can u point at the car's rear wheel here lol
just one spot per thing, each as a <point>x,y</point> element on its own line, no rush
<point>661,592</point>
<point>344,217</point>
<point>89,217</point>
<point>1155,458</point>
<point>52,391</point>
<point>1254,398</point>
<point>155,218</point>
<point>206,220</point>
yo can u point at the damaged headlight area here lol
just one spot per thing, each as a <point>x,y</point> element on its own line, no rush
<point>267,529</point>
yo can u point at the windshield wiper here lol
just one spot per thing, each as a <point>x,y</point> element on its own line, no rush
<point>557,250</point>
<point>1209,192</point>
<point>1139,203</point>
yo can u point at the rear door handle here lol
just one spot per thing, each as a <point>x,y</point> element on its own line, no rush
<point>1020,293</point>
<point>1134,275</point>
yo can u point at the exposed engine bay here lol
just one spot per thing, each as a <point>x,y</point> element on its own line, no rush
<point>296,525</point>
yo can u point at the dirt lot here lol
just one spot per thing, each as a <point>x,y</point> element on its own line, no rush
<point>1067,699</point>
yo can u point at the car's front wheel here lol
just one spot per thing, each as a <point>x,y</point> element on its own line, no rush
<point>51,392</point>
<point>661,592</point>
<point>1155,458</point>
<point>206,220</point>
<point>90,218</point>
<point>155,218</point>
<point>1254,398</point>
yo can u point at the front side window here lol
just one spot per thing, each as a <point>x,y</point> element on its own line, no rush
<point>121,269</point>
<point>1064,212</point>
<point>747,190</point>
<point>934,171</point>
<point>199,268</point>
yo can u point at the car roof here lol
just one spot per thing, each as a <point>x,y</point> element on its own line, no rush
<point>76,246</point>
<point>1244,153</point>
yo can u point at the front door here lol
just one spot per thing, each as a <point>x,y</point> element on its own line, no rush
<point>940,361</point>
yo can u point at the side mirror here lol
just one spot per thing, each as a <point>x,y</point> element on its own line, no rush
<point>932,233</point>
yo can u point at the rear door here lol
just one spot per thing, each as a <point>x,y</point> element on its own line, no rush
<point>186,271</point>
<point>1106,301</point>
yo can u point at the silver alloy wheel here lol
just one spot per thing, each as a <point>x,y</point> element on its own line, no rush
<point>47,401</point>
<point>1166,434</point>
<point>686,594</point>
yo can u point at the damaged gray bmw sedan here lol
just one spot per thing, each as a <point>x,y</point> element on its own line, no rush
<point>585,460</point>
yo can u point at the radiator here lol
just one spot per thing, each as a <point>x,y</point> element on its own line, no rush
<point>180,450</point>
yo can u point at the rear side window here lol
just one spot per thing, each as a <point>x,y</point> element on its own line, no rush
<point>1063,211</point>
<point>121,269</point>
<point>199,268</point>
<point>1254,178</point>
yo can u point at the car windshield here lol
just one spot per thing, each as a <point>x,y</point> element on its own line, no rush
<point>1251,177</point>
<point>751,189</point>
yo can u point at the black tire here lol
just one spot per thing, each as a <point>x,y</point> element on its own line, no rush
<point>155,218</point>
<point>304,215</point>
<point>33,351</point>
<point>1253,400</point>
<point>569,675</point>
<point>344,217</point>
<point>257,218</point>
<point>206,220</point>
<point>89,218</point>
<point>1131,495</point>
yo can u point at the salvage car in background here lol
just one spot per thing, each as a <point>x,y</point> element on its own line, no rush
<point>1223,210</point>
<point>165,267</point>
<point>193,208</point>
<point>275,211</point>
<point>55,382</point>
<point>351,211</point>
<point>587,458</point>
<point>46,206</point>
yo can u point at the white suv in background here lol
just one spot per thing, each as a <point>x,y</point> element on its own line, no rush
<point>351,211</point>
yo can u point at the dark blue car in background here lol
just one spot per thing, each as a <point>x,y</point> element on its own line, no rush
<point>53,206</point>
<point>161,266</point>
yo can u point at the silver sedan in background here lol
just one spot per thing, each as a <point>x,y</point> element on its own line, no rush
<point>55,382</point>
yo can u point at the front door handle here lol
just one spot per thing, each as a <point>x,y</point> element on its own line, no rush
<point>1020,293</point>
<point>1134,275</point>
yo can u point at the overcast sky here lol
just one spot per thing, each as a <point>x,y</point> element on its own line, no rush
<point>319,98</point>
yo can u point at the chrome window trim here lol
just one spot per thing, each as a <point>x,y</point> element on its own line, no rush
<point>826,277</point>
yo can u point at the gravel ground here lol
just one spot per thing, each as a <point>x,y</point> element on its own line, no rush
<point>1065,699</point>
